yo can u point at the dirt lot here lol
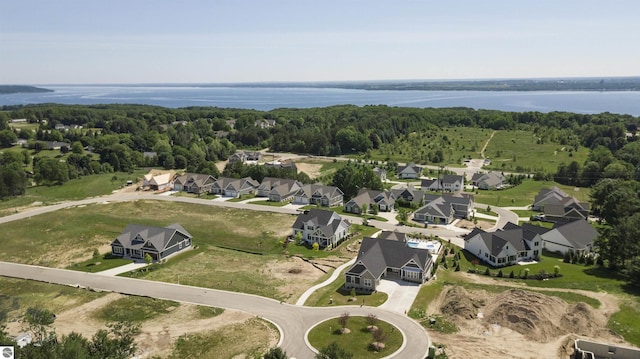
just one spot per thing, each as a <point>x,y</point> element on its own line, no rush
<point>518,323</point>
<point>157,335</point>
<point>484,225</point>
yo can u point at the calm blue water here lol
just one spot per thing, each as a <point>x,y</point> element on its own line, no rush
<point>627,102</point>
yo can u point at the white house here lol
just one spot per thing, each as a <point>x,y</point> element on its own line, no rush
<point>506,246</point>
<point>326,228</point>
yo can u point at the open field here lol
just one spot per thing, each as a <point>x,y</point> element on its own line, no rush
<point>455,143</point>
<point>358,340</point>
<point>80,188</point>
<point>520,151</point>
<point>524,193</point>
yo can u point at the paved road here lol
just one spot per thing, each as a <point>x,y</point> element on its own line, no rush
<point>292,321</point>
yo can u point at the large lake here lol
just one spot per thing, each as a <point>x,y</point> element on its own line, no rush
<point>627,102</point>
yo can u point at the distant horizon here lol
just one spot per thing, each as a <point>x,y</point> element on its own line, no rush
<point>284,82</point>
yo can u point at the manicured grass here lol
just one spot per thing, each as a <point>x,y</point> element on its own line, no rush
<point>193,195</point>
<point>358,232</point>
<point>525,213</point>
<point>357,342</point>
<point>266,202</point>
<point>103,262</point>
<point>625,322</point>
<point>84,187</point>
<point>250,339</point>
<point>135,309</point>
<point>242,198</point>
<point>340,210</point>
<point>520,151</point>
<point>17,295</point>
<point>523,194</point>
<point>484,211</point>
<point>334,295</point>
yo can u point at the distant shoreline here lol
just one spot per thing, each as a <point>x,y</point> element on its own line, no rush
<point>631,83</point>
<point>9,89</point>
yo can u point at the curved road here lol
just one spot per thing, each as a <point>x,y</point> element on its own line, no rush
<point>293,321</point>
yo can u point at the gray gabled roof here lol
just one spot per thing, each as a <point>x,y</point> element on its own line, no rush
<point>579,233</point>
<point>327,221</point>
<point>409,168</point>
<point>393,235</point>
<point>378,254</point>
<point>135,236</point>
<point>452,179</point>
<point>321,190</point>
<point>197,178</point>
<point>437,208</point>
<point>367,196</point>
<point>510,234</point>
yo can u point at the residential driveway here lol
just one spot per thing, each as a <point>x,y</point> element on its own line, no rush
<point>401,294</point>
<point>122,269</point>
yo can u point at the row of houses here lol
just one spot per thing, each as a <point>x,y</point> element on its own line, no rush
<point>433,208</point>
<point>513,243</point>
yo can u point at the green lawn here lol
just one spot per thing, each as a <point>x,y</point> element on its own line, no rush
<point>523,194</point>
<point>135,309</point>
<point>242,198</point>
<point>525,213</point>
<point>266,202</point>
<point>84,187</point>
<point>193,195</point>
<point>358,340</point>
<point>625,322</point>
<point>101,263</point>
<point>334,295</point>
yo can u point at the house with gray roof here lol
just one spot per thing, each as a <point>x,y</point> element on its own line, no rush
<point>448,183</point>
<point>409,195</point>
<point>491,180</point>
<point>136,241</point>
<point>576,236</point>
<point>194,183</point>
<point>324,227</point>
<point>380,172</point>
<point>319,194</point>
<point>278,189</point>
<point>505,246</point>
<point>384,200</point>
<point>559,206</point>
<point>380,258</point>
<point>245,156</point>
<point>234,187</point>
<point>410,170</point>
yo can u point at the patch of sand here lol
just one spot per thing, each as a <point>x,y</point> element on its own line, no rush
<point>518,323</point>
<point>311,169</point>
<point>484,225</point>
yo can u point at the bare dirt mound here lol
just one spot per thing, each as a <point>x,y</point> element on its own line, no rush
<point>459,303</point>
<point>542,318</point>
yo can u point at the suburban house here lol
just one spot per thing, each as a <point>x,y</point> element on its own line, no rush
<point>380,258</point>
<point>54,145</point>
<point>234,187</point>
<point>380,172</point>
<point>324,227</point>
<point>384,200</point>
<point>410,170</point>
<point>158,181</point>
<point>245,156</point>
<point>505,246</point>
<point>278,189</point>
<point>443,209</point>
<point>577,237</point>
<point>449,183</point>
<point>559,206</point>
<point>136,241</point>
<point>491,180</point>
<point>327,196</point>
<point>194,183</point>
<point>409,195</point>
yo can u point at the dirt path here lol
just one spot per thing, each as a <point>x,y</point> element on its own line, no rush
<point>486,144</point>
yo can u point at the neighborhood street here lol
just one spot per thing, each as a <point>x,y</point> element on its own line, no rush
<point>293,321</point>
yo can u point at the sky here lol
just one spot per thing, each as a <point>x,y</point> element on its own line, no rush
<point>218,41</point>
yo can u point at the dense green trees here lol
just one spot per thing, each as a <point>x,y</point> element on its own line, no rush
<point>13,180</point>
<point>352,177</point>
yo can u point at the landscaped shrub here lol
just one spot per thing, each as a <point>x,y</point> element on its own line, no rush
<point>567,257</point>
<point>458,267</point>
<point>487,272</point>
<point>589,261</point>
<point>511,275</point>
<point>500,275</point>
<point>581,259</point>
